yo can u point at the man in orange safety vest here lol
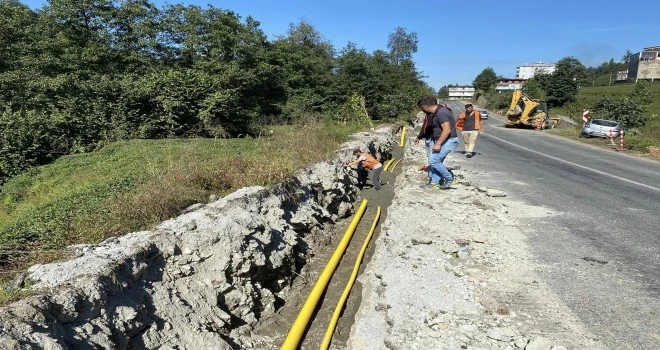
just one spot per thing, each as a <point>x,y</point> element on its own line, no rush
<point>368,162</point>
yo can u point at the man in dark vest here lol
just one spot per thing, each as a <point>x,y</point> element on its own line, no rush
<point>471,125</point>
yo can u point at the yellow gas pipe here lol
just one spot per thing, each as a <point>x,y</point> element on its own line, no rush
<point>387,165</point>
<point>300,324</point>
<point>395,163</point>
<point>340,305</point>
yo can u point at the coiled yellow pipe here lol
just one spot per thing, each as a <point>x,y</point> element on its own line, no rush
<point>340,305</point>
<point>395,163</point>
<point>403,136</point>
<point>387,165</point>
<point>300,324</point>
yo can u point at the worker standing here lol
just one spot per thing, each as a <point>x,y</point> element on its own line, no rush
<point>471,125</point>
<point>444,139</point>
<point>368,162</point>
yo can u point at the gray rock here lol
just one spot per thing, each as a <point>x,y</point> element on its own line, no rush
<point>539,343</point>
<point>495,193</point>
<point>416,241</point>
<point>191,226</point>
<point>470,330</point>
<point>466,310</point>
<point>502,334</point>
<point>559,347</point>
<point>463,252</point>
<point>520,343</point>
<point>192,208</point>
<point>18,282</point>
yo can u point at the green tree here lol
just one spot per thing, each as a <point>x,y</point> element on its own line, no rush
<point>402,45</point>
<point>533,89</point>
<point>443,92</point>
<point>79,73</point>
<point>306,61</point>
<point>486,80</point>
<point>562,86</point>
<point>627,57</point>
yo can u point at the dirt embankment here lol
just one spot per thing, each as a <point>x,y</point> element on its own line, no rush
<point>202,280</point>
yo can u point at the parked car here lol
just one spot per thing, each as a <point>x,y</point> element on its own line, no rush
<point>484,113</point>
<point>601,128</point>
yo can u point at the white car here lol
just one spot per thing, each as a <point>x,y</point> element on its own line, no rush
<point>484,113</point>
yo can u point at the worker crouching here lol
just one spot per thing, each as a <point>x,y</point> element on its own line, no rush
<point>368,162</point>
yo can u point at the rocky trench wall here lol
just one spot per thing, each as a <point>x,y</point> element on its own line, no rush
<point>199,281</point>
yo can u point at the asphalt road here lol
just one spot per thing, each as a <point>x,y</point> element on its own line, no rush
<point>608,206</point>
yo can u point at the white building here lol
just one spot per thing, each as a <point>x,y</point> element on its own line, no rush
<point>645,65</point>
<point>461,92</point>
<point>505,84</point>
<point>527,71</point>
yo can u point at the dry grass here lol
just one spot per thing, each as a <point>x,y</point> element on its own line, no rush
<point>134,185</point>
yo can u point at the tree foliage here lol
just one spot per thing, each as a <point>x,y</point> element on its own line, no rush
<point>486,80</point>
<point>605,74</point>
<point>561,87</point>
<point>443,92</point>
<point>80,73</point>
<point>534,88</point>
<point>402,45</point>
<point>630,110</point>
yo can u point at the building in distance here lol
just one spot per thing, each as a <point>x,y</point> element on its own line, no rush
<point>528,71</point>
<point>506,84</point>
<point>645,65</point>
<point>461,92</point>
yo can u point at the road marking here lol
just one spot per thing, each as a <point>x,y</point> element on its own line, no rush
<point>577,165</point>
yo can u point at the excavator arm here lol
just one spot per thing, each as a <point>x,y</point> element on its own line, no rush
<point>521,115</point>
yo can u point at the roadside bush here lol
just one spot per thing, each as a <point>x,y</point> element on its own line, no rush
<point>25,141</point>
<point>499,100</point>
<point>630,110</point>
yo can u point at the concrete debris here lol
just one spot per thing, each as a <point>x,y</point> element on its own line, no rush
<point>467,290</point>
<point>539,343</point>
<point>495,193</point>
<point>502,334</point>
<point>416,241</point>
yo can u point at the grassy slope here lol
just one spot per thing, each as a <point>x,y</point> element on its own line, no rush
<point>132,185</point>
<point>587,96</point>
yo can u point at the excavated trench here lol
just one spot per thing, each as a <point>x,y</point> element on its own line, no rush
<point>227,274</point>
<point>276,326</point>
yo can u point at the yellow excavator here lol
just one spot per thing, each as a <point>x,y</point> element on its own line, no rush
<point>525,111</point>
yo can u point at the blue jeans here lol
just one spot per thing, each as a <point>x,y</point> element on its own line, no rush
<point>429,145</point>
<point>429,149</point>
<point>438,170</point>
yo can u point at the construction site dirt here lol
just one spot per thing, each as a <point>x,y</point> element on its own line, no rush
<point>278,325</point>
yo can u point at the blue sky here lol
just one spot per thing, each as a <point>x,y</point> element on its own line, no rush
<point>458,39</point>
